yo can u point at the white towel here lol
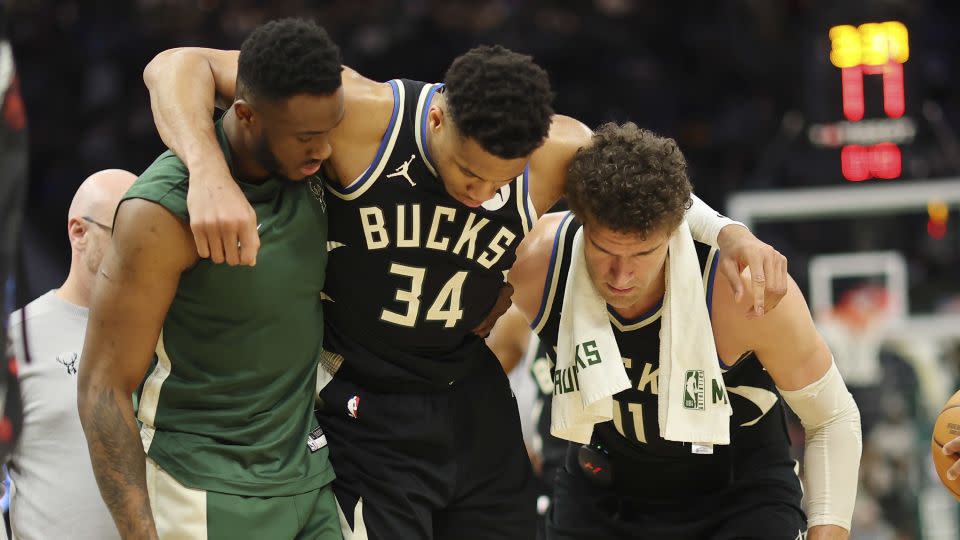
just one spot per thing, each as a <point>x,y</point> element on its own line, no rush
<point>692,405</point>
<point>590,369</point>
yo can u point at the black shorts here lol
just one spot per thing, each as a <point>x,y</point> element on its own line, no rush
<point>441,465</point>
<point>768,510</point>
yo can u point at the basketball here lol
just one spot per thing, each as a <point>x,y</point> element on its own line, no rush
<point>946,428</point>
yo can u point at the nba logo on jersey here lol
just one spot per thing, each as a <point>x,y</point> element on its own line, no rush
<point>693,394</point>
<point>353,404</point>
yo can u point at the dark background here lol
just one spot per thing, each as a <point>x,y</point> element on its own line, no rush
<point>736,82</point>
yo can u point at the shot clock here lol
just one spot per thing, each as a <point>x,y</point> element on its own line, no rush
<point>869,64</point>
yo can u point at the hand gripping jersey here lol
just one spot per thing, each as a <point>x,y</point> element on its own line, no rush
<point>647,467</point>
<point>412,270</point>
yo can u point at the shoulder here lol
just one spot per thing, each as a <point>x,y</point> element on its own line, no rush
<point>529,273</point>
<point>368,107</point>
<point>566,136</point>
<point>39,307</point>
<point>148,232</point>
<point>163,182</point>
<point>549,163</point>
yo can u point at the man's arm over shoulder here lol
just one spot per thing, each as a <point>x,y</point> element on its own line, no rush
<point>183,84</point>
<point>368,106</point>
<point>132,292</point>
<point>550,162</point>
<point>529,273</point>
<point>798,360</point>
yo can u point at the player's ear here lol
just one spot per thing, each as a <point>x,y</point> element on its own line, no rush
<point>435,118</point>
<point>244,112</point>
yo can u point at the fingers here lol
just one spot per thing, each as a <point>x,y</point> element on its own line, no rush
<point>231,245</point>
<point>729,269</point>
<point>777,280</point>
<point>954,471</point>
<point>215,243</point>
<point>759,267</point>
<point>952,447</point>
<point>200,238</point>
<point>233,242</point>
<point>249,244</point>
<point>223,223</point>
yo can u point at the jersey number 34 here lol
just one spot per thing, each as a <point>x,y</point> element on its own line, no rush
<point>445,307</point>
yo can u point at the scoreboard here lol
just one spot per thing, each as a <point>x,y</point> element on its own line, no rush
<point>875,123</point>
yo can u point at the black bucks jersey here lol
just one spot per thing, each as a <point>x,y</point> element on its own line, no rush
<point>645,466</point>
<point>412,270</point>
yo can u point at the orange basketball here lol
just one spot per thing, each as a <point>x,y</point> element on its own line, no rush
<point>945,430</point>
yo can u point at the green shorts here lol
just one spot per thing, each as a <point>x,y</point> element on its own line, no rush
<point>183,513</point>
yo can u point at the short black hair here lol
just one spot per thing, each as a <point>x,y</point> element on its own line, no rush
<point>629,180</point>
<point>500,99</point>
<point>286,57</point>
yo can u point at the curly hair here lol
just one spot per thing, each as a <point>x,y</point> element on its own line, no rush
<point>629,180</point>
<point>500,99</point>
<point>286,57</point>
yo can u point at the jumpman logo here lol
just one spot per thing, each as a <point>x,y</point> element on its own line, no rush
<point>402,170</point>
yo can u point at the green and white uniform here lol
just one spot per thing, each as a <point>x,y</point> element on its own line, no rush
<point>227,407</point>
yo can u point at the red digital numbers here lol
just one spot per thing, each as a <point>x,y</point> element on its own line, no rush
<point>860,163</point>
<point>870,49</point>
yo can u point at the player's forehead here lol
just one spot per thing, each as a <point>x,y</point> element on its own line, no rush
<point>307,112</point>
<point>617,242</point>
<point>468,153</point>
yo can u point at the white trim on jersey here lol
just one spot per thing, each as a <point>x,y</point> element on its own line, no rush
<point>427,90</point>
<point>178,511</point>
<point>362,183</point>
<point>629,327</point>
<point>550,285</point>
<point>528,214</point>
<point>150,397</point>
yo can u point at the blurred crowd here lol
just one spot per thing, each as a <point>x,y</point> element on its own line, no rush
<point>723,77</point>
<point>717,75</point>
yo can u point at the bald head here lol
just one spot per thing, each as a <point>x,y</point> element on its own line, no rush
<point>98,195</point>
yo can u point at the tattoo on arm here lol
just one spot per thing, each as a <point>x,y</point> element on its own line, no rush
<point>119,463</point>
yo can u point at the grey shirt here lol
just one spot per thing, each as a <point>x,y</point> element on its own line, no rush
<point>54,493</point>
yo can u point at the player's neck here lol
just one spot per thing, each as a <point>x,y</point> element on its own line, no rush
<point>244,166</point>
<point>75,290</point>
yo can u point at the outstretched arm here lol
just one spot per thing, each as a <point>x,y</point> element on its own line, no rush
<point>183,84</point>
<point>739,248</point>
<point>788,345</point>
<point>132,292</point>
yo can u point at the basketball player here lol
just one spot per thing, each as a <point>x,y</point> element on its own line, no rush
<point>628,191</point>
<point>430,189</point>
<point>228,430</point>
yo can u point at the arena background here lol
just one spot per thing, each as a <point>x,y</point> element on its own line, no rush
<point>750,90</point>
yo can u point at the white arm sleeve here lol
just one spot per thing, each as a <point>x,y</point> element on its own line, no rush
<point>705,222</point>
<point>833,444</point>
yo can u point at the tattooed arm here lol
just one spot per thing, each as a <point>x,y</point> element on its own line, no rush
<point>132,292</point>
